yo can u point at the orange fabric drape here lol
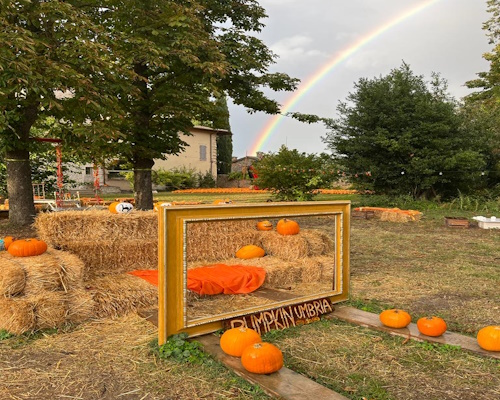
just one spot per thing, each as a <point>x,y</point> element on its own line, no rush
<point>216,278</point>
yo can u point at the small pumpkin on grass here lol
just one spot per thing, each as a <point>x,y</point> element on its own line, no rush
<point>264,226</point>
<point>235,340</point>
<point>287,226</point>
<point>488,338</point>
<point>27,247</point>
<point>431,326</point>
<point>395,318</point>
<point>262,358</point>
<point>250,251</point>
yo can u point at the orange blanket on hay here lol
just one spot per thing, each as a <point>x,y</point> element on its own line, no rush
<point>216,278</point>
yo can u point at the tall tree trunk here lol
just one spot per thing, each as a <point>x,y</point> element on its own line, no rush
<point>19,186</point>
<point>143,185</point>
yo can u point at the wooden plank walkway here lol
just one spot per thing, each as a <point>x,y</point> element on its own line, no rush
<point>371,320</point>
<point>284,384</point>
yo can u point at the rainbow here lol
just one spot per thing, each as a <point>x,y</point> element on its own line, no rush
<point>343,55</point>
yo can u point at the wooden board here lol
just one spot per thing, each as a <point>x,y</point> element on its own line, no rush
<point>371,320</point>
<point>285,383</point>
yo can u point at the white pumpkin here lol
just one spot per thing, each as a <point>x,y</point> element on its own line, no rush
<point>124,208</point>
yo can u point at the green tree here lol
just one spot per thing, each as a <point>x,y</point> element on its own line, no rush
<point>49,46</point>
<point>292,175</point>
<point>482,108</point>
<point>401,135</point>
<point>224,142</point>
<point>184,54</point>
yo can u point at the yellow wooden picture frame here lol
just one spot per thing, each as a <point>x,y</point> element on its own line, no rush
<point>172,265</point>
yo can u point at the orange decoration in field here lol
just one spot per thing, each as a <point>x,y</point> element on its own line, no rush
<point>262,358</point>
<point>287,227</point>
<point>395,318</point>
<point>250,251</point>
<point>431,326</point>
<point>488,338</point>
<point>235,340</point>
<point>264,226</point>
<point>27,247</point>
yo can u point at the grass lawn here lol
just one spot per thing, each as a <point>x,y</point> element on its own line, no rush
<point>423,267</point>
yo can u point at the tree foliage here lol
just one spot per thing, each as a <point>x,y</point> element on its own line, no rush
<point>224,142</point>
<point>292,175</point>
<point>401,135</point>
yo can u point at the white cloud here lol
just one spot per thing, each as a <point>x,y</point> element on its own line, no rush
<point>295,46</point>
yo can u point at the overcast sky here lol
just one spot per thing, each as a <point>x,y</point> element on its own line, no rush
<point>445,37</point>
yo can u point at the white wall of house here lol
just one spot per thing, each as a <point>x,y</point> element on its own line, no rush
<point>201,154</point>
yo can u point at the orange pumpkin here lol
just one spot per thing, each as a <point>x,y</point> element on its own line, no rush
<point>235,340</point>
<point>431,326</point>
<point>27,247</point>
<point>250,251</point>
<point>488,338</point>
<point>264,226</point>
<point>7,241</point>
<point>112,207</point>
<point>262,358</point>
<point>395,318</point>
<point>287,227</point>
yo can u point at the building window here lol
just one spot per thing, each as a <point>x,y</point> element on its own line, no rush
<point>89,171</point>
<point>203,152</point>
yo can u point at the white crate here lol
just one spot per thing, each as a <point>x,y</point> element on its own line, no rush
<point>488,223</point>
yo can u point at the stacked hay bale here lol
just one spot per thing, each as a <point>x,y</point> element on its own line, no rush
<point>108,245</point>
<point>303,258</point>
<point>44,291</point>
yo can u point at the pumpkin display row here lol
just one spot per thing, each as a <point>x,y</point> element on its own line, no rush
<point>256,356</point>
<point>488,338</point>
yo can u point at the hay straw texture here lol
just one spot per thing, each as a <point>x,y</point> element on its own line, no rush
<point>392,216</point>
<point>216,240</point>
<point>96,225</point>
<point>17,315</point>
<point>307,243</point>
<point>79,306</point>
<point>53,270</point>
<point>117,295</point>
<point>49,309</point>
<point>110,257</point>
<point>12,278</point>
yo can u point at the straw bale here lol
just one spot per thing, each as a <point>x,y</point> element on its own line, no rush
<point>216,240</point>
<point>95,225</point>
<point>79,306</point>
<point>16,315</point>
<point>201,306</point>
<point>307,243</point>
<point>12,278</point>
<point>392,216</point>
<point>116,295</point>
<point>43,273</point>
<point>108,257</point>
<point>49,308</point>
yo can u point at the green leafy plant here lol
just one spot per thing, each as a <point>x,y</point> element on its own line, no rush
<point>180,349</point>
<point>5,334</point>
<point>292,175</point>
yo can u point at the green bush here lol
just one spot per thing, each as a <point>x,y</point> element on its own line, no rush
<point>293,176</point>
